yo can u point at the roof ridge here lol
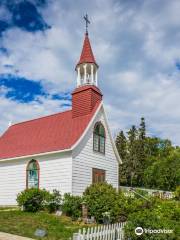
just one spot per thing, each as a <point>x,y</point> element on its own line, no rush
<point>40,118</point>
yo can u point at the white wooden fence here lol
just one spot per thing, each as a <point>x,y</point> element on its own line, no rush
<point>129,192</point>
<point>103,232</point>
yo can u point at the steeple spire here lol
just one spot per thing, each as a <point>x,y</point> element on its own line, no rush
<point>87,55</point>
<point>87,67</point>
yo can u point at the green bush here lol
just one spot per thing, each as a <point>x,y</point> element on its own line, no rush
<point>32,200</point>
<point>139,193</point>
<point>72,206</point>
<point>100,198</point>
<point>160,215</point>
<point>53,201</point>
<point>124,206</point>
<point>177,193</point>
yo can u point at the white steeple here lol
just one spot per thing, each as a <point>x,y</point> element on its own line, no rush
<point>87,67</point>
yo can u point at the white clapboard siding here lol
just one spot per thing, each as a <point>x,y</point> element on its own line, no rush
<point>55,173</point>
<point>12,181</point>
<point>84,159</point>
<point>103,232</point>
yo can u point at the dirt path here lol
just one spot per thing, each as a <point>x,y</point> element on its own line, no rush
<point>7,236</point>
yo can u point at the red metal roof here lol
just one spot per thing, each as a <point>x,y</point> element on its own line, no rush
<point>87,53</point>
<point>51,133</point>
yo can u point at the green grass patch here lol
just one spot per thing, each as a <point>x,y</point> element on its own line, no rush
<point>25,224</point>
<point>8,208</point>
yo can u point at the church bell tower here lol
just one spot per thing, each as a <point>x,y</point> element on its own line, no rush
<point>87,94</point>
<point>87,67</point>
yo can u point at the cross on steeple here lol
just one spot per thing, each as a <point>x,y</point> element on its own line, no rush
<point>86,67</point>
<point>87,22</point>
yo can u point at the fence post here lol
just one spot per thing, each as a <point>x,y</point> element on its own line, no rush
<point>76,236</point>
<point>116,234</point>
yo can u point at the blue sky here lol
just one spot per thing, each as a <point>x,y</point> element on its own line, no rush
<point>136,44</point>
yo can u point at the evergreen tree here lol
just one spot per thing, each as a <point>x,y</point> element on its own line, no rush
<point>132,160</point>
<point>142,130</point>
<point>141,152</point>
<point>147,161</point>
<point>121,144</point>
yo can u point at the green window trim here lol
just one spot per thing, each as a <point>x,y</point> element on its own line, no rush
<point>99,138</point>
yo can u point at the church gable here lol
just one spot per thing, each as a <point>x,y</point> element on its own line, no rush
<point>98,118</point>
<point>95,156</point>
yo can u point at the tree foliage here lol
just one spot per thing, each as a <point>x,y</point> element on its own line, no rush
<point>158,215</point>
<point>147,161</point>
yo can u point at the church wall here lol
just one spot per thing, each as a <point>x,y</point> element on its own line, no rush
<point>55,173</point>
<point>84,159</point>
<point>12,180</point>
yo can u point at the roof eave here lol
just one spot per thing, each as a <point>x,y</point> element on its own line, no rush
<point>35,155</point>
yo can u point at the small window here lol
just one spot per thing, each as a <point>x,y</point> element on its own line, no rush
<point>32,174</point>
<point>99,138</point>
<point>98,175</point>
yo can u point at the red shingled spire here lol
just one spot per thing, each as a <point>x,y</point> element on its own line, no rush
<point>87,53</point>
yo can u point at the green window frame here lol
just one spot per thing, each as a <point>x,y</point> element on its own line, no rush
<point>99,138</point>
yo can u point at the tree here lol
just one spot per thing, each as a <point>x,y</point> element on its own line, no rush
<point>164,172</point>
<point>132,160</point>
<point>121,144</point>
<point>147,161</point>
<point>141,152</point>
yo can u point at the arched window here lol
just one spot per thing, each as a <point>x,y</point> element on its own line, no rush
<point>99,138</point>
<point>32,174</point>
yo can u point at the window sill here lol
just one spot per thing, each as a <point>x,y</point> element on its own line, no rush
<point>101,153</point>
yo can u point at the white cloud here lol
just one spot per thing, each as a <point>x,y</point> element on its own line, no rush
<point>38,56</point>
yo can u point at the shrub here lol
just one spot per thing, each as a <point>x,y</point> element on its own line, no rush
<point>124,206</point>
<point>72,206</point>
<point>160,215</point>
<point>100,198</point>
<point>53,201</point>
<point>139,193</point>
<point>177,193</point>
<point>32,200</point>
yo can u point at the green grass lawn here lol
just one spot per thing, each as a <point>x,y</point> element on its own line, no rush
<point>8,208</point>
<point>25,224</point>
